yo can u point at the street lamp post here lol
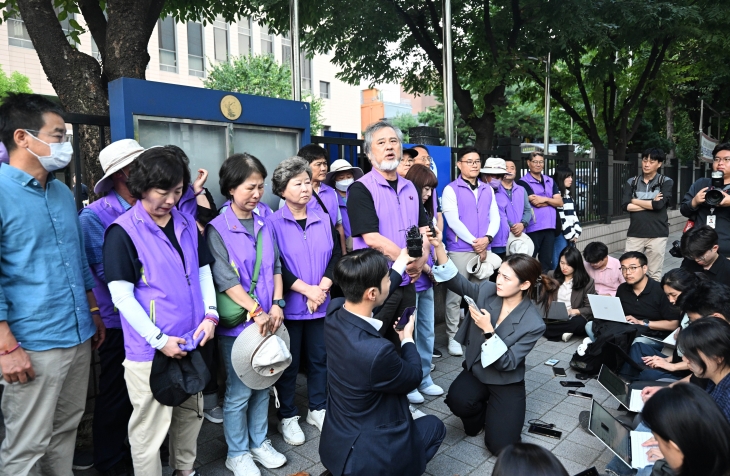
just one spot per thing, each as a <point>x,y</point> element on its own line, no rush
<point>448,73</point>
<point>295,53</point>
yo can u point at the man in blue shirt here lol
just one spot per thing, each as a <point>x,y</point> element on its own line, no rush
<point>47,330</point>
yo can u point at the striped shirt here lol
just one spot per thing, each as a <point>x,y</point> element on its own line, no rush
<point>568,218</point>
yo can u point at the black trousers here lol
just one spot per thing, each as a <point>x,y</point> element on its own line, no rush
<point>112,408</point>
<point>576,325</point>
<point>211,357</point>
<point>544,241</point>
<point>499,409</point>
<point>391,310</point>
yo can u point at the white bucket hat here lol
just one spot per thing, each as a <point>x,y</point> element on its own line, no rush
<point>520,244</point>
<point>259,361</point>
<point>484,269</point>
<point>114,158</point>
<point>494,166</point>
<point>341,165</point>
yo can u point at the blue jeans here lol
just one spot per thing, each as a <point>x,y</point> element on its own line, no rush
<point>425,334</point>
<point>560,244</point>
<point>245,411</point>
<point>620,468</point>
<point>636,353</point>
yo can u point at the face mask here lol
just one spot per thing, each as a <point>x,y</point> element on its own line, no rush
<point>61,154</point>
<point>494,184</point>
<point>342,185</point>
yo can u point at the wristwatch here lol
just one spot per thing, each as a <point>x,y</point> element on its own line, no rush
<point>488,335</point>
<point>491,238</point>
<point>279,302</point>
<point>646,322</point>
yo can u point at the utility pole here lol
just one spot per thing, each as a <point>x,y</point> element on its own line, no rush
<point>295,53</point>
<point>448,76</point>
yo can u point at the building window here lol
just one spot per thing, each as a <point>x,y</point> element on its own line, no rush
<point>245,46</point>
<point>220,39</point>
<point>286,49</point>
<point>196,58</point>
<point>95,50</point>
<point>18,33</point>
<point>166,37</point>
<point>324,90</point>
<point>267,41</point>
<point>306,67</point>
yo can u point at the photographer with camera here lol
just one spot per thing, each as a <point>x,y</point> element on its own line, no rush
<point>700,251</point>
<point>707,201</point>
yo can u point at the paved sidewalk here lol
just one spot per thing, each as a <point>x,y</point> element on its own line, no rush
<point>458,455</point>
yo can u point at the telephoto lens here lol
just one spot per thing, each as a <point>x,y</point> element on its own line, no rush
<point>414,242</point>
<point>714,195</point>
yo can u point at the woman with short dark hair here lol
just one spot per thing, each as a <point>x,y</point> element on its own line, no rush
<point>234,238</point>
<point>527,459</point>
<point>309,247</point>
<point>157,266</point>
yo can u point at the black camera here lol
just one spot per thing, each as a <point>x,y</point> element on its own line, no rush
<point>714,195</point>
<point>414,242</point>
<point>676,249</point>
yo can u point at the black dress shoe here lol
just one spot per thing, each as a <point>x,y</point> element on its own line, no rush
<point>437,353</point>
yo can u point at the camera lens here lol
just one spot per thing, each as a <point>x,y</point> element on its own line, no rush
<point>713,197</point>
<point>676,249</point>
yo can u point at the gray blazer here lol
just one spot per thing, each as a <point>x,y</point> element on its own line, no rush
<point>520,330</point>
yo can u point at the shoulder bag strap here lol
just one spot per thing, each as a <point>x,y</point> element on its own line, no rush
<point>257,266</point>
<point>321,203</point>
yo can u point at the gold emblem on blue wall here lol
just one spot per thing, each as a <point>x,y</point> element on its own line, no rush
<point>231,107</point>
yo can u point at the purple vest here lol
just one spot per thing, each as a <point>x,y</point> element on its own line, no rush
<point>328,195</point>
<point>545,217</point>
<point>107,209</point>
<point>423,282</point>
<point>396,211</point>
<point>473,213</point>
<point>188,203</point>
<point>510,211</point>
<point>262,209</point>
<point>306,253</point>
<point>345,217</point>
<point>174,289</point>
<point>241,247</point>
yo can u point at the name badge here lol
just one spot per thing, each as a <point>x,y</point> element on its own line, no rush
<point>711,220</point>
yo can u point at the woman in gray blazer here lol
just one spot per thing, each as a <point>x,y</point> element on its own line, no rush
<point>489,395</point>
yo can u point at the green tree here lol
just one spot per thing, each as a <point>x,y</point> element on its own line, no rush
<point>15,83</point>
<point>404,122</point>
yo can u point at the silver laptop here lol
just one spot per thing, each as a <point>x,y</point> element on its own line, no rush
<point>607,308</point>
<point>623,443</point>
<point>558,312</point>
<point>629,399</point>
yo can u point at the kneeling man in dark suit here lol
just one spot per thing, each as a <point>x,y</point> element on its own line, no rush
<point>369,428</point>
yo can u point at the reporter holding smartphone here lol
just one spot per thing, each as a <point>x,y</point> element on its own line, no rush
<point>489,395</point>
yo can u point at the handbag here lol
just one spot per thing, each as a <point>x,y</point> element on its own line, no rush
<point>230,314</point>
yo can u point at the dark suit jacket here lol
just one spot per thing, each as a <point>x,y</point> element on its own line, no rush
<point>369,428</point>
<point>520,330</point>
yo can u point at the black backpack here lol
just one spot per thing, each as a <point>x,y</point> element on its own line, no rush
<point>604,350</point>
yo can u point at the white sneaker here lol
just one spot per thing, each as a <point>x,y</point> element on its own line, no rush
<point>415,412</point>
<point>432,390</point>
<point>291,431</point>
<point>566,337</point>
<point>316,418</point>
<point>243,465</point>
<point>455,348</point>
<point>415,397</point>
<point>267,456</point>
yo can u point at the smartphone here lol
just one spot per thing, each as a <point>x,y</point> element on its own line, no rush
<point>589,472</point>
<point>572,383</point>
<point>405,318</point>
<point>552,362</point>
<point>541,430</point>
<point>580,376</point>
<point>559,372</point>
<point>471,303</point>
<point>575,393</point>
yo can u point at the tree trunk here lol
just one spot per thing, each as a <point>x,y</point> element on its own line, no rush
<point>484,130</point>
<point>670,128</point>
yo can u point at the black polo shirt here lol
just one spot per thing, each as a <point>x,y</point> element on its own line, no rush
<point>652,305</point>
<point>718,272</point>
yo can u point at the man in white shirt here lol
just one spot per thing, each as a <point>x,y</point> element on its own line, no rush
<point>471,211</point>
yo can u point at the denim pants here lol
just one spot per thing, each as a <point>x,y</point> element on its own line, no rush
<point>619,467</point>
<point>245,411</point>
<point>637,352</point>
<point>425,333</point>
<point>560,244</point>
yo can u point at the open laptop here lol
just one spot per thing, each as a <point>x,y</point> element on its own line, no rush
<point>668,341</point>
<point>623,443</point>
<point>558,312</point>
<point>607,308</point>
<point>630,399</point>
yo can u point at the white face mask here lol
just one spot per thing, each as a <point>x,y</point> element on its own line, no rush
<point>60,157</point>
<point>342,185</point>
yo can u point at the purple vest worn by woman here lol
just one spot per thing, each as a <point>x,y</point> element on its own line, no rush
<point>167,291</point>
<point>306,253</point>
<point>107,209</point>
<point>545,217</point>
<point>241,247</point>
<point>473,213</point>
<point>345,216</point>
<point>328,195</point>
<point>396,211</point>
<point>510,211</point>
<point>188,202</point>
<point>423,282</point>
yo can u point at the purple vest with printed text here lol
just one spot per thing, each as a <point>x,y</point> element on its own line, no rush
<point>510,211</point>
<point>473,213</point>
<point>241,247</point>
<point>171,290</point>
<point>396,211</point>
<point>545,217</point>
<point>107,209</point>
<point>306,253</point>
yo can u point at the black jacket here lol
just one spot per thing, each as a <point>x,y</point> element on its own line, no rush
<point>722,225</point>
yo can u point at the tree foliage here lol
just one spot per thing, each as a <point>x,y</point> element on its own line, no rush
<point>15,83</point>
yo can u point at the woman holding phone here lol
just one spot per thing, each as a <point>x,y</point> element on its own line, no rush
<point>489,395</point>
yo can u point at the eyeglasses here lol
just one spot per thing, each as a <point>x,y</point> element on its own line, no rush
<point>630,269</point>
<point>704,258</point>
<point>471,163</point>
<point>724,159</point>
